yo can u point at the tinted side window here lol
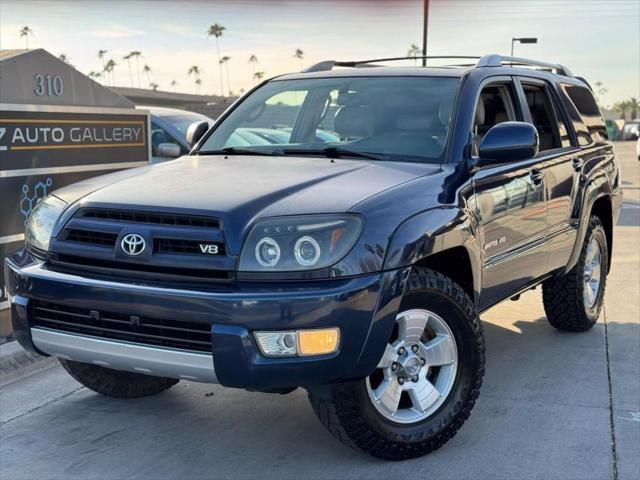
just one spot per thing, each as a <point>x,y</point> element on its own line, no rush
<point>543,116</point>
<point>495,106</point>
<point>586,105</point>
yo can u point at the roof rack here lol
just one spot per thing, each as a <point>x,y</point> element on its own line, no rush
<point>492,60</point>
<point>329,64</point>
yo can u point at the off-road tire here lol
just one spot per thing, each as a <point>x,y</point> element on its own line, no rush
<point>563,296</point>
<point>115,383</point>
<point>346,410</point>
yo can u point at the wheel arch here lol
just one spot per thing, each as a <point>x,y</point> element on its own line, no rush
<point>442,239</point>
<point>597,201</point>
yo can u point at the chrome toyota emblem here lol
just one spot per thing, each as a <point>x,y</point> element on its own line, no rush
<point>132,244</point>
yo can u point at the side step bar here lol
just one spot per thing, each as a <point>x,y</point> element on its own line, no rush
<point>131,357</point>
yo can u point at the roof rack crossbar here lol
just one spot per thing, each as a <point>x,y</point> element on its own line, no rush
<point>330,64</point>
<point>494,60</point>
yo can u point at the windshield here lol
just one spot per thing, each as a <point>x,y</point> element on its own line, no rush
<point>382,118</point>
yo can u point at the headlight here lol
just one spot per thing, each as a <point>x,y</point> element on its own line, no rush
<point>41,222</point>
<point>307,242</point>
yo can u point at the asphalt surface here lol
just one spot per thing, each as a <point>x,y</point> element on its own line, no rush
<point>553,405</point>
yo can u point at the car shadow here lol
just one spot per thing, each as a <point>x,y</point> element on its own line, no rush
<point>198,430</point>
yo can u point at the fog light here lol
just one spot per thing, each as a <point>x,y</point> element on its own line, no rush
<point>298,343</point>
<point>277,344</point>
<point>318,342</point>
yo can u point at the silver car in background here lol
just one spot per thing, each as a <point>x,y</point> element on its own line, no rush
<point>169,131</point>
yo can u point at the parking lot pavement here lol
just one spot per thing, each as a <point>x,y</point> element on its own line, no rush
<point>546,409</point>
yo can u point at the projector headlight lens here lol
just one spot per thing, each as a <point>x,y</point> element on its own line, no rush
<point>307,251</point>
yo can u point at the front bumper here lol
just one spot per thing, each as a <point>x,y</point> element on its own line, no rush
<point>364,308</point>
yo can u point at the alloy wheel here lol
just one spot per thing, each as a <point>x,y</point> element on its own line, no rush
<point>417,370</point>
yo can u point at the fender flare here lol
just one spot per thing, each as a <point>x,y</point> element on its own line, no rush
<point>433,231</point>
<point>598,186</point>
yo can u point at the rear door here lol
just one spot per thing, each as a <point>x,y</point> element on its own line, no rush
<point>510,204</point>
<point>559,162</point>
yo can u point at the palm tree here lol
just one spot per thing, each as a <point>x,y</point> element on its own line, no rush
<point>414,51</point>
<point>600,93</point>
<point>128,59</point>
<point>195,71</point>
<point>216,30</point>
<point>174,84</point>
<point>253,60</point>
<point>108,68</point>
<point>258,75</point>
<point>147,71</point>
<point>94,75</point>
<point>225,61</point>
<point>299,55</point>
<point>153,86</point>
<point>137,54</point>
<point>622,108</point>
<point>26,32</point>
<point>634,105</point>
<point>101,55</point>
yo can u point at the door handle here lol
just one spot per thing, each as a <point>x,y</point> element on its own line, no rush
<point>577,164</point>
<point>537,176</point>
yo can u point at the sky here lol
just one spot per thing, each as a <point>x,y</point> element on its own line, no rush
<point>597,39</point>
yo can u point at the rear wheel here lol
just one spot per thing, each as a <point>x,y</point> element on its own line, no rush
<point>426,383</point>
<point>573,301</point>
<point>115,383</point>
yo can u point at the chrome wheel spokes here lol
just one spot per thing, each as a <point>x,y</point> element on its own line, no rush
<point>417,370</point>
<point>592,278</point>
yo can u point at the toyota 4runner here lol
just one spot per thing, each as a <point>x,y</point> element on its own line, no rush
<point>340,230</point>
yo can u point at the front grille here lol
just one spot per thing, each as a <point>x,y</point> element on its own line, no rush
<point>178,247</point>
<point>117,326</point>
<point>91,237</point>
<point>150,218</point>
<point>69,263</point>
<point>186,247</point>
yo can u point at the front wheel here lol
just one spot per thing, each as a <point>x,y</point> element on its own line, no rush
<point>426,383</point>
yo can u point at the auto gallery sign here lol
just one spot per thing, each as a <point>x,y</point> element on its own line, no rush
<point>28,131</point>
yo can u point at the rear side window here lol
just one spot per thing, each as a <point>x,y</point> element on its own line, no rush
<point>590,116</point>
<point>551,129</point>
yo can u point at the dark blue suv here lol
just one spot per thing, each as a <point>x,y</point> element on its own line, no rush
<point>350,253</point>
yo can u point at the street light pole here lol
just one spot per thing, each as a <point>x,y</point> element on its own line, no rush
<point>523,40</point>
<point>425,26</point>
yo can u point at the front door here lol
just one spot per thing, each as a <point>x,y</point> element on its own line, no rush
<point>510,205</point>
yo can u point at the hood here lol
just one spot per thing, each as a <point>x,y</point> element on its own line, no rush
<point>239,189</point>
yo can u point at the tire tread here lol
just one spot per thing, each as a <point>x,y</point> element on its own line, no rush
<point>337,410</point>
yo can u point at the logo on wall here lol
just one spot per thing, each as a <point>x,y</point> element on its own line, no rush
<point>27,202</point>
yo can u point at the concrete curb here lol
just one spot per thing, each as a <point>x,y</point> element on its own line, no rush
<point>16,362</point>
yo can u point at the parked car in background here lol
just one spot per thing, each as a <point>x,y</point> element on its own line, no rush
<point>169,131</point>
<point>612,130</point>
<point>631,130</point>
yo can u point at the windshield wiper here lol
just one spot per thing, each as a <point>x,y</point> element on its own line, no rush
<point>334,152</point>
<point>240,151</point>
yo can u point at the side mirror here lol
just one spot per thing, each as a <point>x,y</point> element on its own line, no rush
<point>509,142</point>
<point>195,132</point>
<point>169,150</point>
